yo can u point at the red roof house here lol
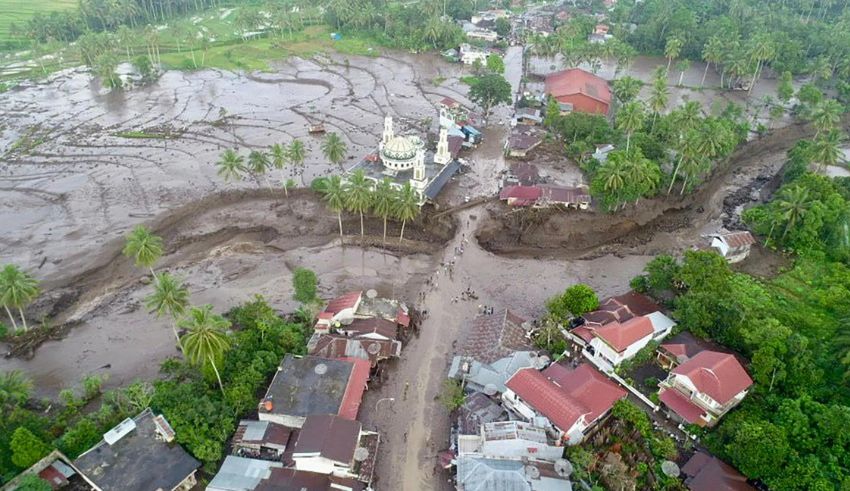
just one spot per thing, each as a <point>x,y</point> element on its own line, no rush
<point>704,388</point>
<point>338,309</point>
<point>572,400</point>
<point>704,472</point>
<point>621,336</point>
<point>585,91</point>
<point>353,395</point>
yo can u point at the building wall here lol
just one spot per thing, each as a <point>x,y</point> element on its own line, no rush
<point>584,104</point>
<point>714,409</point>
<point>518,449</point>
<point>291,421</point>
<point>320,465</point>
<point>613,357</point>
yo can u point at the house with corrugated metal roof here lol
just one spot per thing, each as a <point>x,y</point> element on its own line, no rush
<point>734,246</point>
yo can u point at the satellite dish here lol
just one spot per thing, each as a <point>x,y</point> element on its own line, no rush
<point>490,389</point>
<point>532,472</point>
<point>361,454</point>
<point>670,468</point>
<point>540,362</point>
<point>373,348</point>
<point>371,293</point>
<point>321,369</point>
<point>563,467</point>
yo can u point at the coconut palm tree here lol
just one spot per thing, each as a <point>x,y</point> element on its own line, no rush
<point>826,150</point>
<point>630,119</point>
<point>712,52</point>
<point>793,204</point>
<point>659,95</point>
<point>170,297</point>
<point>297,153</point>
<point>15,388</point>
<point>358,195</point>
<point>334,148</point>
<point>760,50</point>
<point>688,116</point>
<point>627,88</point>
<point>205,341</point>
<point>672,50</point>
<point>692,167</point>
<point>714,138</point>
<point>279,157</point>
<point>382,202</point>
<point>688,150</point>
<point>258,164</point>
<point>826,115</point>
<point>17,290</point>
<point>231,165</point>
<point>642,175</point>
<point>334,194</point>
<point>406,206</point>
<point>613,175</point>
<point>143,247</point>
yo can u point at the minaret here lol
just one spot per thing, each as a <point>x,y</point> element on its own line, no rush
<point>419,182</point>
<point>443,156</point>
<point>388,130</point>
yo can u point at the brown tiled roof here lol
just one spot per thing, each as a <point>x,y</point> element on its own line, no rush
<point>285,479</point>
<point>588,386</point>
<point>330,436</point>
<point>275,434</point>
<point>578,81</point>
<point>385,328</point>
<point>525,172</point>
<point>682,406</point>
<point>559,194</point>
<point>707,473</point>
<point>622,308</point>
<point>621,336</point>
<point>492,337</point>
<point>684,346</point>
<point>717,374</point>
<point>523,141</point>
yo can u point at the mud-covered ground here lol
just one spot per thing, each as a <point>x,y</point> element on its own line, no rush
<point>70,189</point>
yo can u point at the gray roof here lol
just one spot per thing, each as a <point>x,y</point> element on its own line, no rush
<point>138,461</point>
<point>442,179</point>
<point>241,474</point>
<point>329,436</point>
<point>496,373</point>
<point>309,385</point>
<point>480,474</point>
<point>477,410</point>
<point>437,175</point>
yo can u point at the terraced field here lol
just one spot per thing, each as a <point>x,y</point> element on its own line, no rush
<point>20,11</point>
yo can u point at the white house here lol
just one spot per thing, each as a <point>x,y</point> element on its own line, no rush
<point>339,310</point>
<point>734,246</point>
<point>483,34</point>
<point>566,402</point>
<point>470,54</point>
<point>704,388</point>
<point>512,440</point>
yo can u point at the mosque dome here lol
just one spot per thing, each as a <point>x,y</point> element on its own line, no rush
<point>399,148</point>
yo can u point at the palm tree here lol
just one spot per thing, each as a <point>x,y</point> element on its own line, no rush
<point>613,174</point>
<point>692,167</point>
<point>334,148</point>
<point>15,388</point>
<point>143,247</point>
<point>231,165</point>
<point>406,206</point>
<point>297,153</point>
<point>642,175</point>
<point>170,297</point>
<point>382,202</point>
<point>279,158</point>
<point>334,194</point>
<point>17,290</point>
<point>688,150</point>
<point>688,115</point>
<point>714,138</point>
<point>712,52</point>
<point>672,50</point>
<point>760,50</point>
<point>627,88</point>
<point>358,195</point>
<point>659,95</point>
<point>682,66</point>
<point>205,341</point>
<point>630,119</point>
<point>258,164</point>
<point>826,115</point>
<point>826,149</point>
<point>793,204</point>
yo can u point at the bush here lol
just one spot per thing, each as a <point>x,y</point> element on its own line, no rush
<point>4,330</point>
<point>32,482</point>
<point>452,396</point>
<point>304,281</point>
<point>27,449</point>
<point>319,184</point>
<point>575,301</point>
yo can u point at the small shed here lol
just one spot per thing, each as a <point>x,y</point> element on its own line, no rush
<point>734,246</point>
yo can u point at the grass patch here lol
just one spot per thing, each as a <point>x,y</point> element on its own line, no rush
<point>18,12</point>
<point>468,80</point>
<point>143,135</point>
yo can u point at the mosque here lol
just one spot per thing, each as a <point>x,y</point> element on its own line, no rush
<point>404,158</point>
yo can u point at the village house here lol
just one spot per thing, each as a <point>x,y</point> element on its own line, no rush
<point>55,468</point>
<point>483,34</point>
<point>546,195</point>
<point>522,173</point>
<point>482,474</point>
<point>138,455</point>
<point>578,90</point>
<point>489,15</point>
<point>527,116</point>
<point>569,403</point>
<point>369,317</point>
<point>681,348</point>
<point>342,346</point>
<point>704,388</point>
<point>600,34</point>
<point>328,444</point>
<point>244,474</point>
<point>521,142</point>
<point>306,385</point>
<point>704,472</point>
<point>470,54</point>
<point>404,159</point>
<point>477,410</point>
<point>490,378</point>
<point>494,337</point>
<point>734,246</point>
<point>619,328</point>
<point>510,440</point>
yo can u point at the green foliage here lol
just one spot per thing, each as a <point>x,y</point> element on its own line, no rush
<point>503,26</point>
<point>27,449</point>
<point>490,90</point>
<point>31,482</point>
<point>452,395</point>
<point>304,281</point>
<point>661,446</point>
<point>79,437</point>
<point>15,388</point>
<point>495,64</point>
<point>575,301</point>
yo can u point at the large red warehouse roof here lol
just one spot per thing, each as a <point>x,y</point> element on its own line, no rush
<point>577,81</point>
